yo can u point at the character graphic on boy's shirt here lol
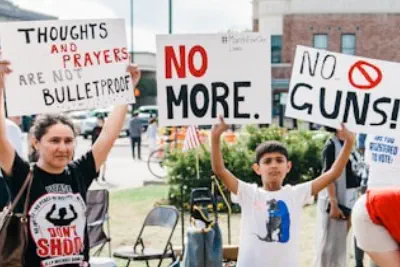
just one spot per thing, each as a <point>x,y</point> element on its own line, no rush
<point>278,224</point>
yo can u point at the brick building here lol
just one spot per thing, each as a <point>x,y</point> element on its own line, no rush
<point>368,28</point>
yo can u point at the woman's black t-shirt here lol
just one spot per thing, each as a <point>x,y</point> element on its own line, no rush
<point>57,212</point>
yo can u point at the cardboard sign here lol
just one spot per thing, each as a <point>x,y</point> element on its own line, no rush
<point>329,88</point>
<point>65,65</point>
<point>200,77</point>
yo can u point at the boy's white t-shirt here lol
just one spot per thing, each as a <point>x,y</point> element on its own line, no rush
<point>270,225</point>
<point>383,157</point>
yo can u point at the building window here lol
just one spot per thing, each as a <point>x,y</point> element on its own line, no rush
<point>320,41</point>
<point>348,44</point>
<point>275,103</point>
<point>276,48</point>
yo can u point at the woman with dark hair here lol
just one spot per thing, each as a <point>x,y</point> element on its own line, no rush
<point>57,209</point>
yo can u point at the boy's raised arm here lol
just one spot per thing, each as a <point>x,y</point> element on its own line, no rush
<point>218,166</point>
<point>338,166</point>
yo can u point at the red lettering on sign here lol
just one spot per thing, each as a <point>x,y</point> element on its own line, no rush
<point>204,61</point>
<point>172,61</point>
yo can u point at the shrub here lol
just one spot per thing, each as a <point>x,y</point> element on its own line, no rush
<point>304,149</point>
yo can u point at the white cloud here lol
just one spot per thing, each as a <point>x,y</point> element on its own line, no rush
<point>151,16</point>
<point>71,9</point>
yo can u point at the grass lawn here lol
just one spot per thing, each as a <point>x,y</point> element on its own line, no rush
<point>128,209</point>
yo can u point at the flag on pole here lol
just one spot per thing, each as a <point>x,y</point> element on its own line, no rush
<point>192,139</point>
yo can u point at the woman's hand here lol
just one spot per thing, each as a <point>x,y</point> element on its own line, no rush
<point>4,70</point>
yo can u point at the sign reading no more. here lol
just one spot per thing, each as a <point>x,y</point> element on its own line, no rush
<point>200,77</point>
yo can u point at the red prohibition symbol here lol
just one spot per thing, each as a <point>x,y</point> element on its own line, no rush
<point>369,82</point>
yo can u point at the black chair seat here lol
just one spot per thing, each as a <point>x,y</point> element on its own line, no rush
<point>127,253</point>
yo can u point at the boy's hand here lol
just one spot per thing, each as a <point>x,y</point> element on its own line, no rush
<point>219,128</point>
<point>346,134</point>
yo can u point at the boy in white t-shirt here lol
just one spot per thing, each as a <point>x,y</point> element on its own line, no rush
<point>270,223</point>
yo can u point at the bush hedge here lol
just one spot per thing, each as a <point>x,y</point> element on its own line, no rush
<point>304,149</point>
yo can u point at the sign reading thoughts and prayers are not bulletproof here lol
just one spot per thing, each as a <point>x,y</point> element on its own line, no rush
<point>329,88</point>
<point>200,77</point>
<point>65,65</point>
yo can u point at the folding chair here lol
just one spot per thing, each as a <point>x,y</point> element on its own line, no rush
<point>163,216</point>
<point>97,216</point>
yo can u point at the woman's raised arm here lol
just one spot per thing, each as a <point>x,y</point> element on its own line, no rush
<point>7,152</point>
<point>113,125</point>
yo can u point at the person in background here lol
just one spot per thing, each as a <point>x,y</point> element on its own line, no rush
<point>334,206</point>
<point>135,134</point>
<point>97,129</point>
<point>361,138</point>
<point>359,253</point>
<point>152,133</point>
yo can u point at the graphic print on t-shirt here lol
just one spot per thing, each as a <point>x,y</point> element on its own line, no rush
<point>278,222</point>
<point>57,225</point>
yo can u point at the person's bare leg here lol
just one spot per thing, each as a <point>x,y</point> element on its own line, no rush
<point>386,259</point>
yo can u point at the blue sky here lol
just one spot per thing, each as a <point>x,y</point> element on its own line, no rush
<point>151,16</point>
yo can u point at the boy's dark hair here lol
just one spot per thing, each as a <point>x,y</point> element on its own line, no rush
<point>330,129</point>
<point>270,147</point>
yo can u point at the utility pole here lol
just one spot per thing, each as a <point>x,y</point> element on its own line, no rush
<point>132,60</point>
<point>170,16</point>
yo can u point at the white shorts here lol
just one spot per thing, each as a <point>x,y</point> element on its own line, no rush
<point>370,236</point>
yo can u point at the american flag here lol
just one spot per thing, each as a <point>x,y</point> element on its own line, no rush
<point>192,139</point>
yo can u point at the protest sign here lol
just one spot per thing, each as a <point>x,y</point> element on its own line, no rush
<point>329,88</point>
<point>200,77</point>
<point>65,65</point>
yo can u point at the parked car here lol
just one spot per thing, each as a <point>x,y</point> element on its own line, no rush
<point>77,117</point>
<point>147,112</point>
<point>85,121</point>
